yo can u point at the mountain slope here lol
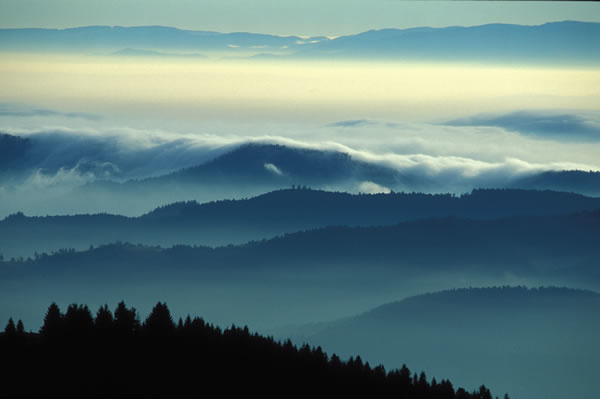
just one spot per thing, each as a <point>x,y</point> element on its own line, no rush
<point>268,164</point>
<point>587,183</point>
<point>536,342</point>
<point>13,150</point>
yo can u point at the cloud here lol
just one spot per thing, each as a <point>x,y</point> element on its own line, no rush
<point>67,152</point>
<point>119,154</point>
<point>352,123</point>
<point>563,126</point>
<point>273,169</point>
<point>63,178</point>
<point>425,158</point>
<point>427,155</point>
<point>15,110</point>
<point>369,187</point>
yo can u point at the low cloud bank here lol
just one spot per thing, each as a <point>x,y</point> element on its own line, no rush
<point>564,126</point>
<point>425,157</point>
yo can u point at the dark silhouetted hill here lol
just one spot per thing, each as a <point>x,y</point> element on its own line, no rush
<point>535,342</point>
<point>114,355</point>
<point>256,164</point>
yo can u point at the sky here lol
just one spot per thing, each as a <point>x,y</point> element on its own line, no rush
<point>289,17</point>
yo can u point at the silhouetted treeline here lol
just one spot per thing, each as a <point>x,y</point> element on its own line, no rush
<point>77,354</point>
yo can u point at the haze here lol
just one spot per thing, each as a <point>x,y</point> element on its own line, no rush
<point>316,92</point>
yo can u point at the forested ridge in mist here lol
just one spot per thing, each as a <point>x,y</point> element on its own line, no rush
<point>537,340</point>
<point>77,354</point>
<point>271,214</point>
<point>521,244</point>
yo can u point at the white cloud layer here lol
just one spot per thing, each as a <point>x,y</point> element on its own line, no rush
<point>429,157</point>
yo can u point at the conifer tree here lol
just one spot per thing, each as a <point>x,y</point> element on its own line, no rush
<point>52,321</point>
<point>104,320</point>
<point>10,329</point>
<point>159,322</point>
<point>78,320</point>
<point>125,320</point>
<point>20,327</point>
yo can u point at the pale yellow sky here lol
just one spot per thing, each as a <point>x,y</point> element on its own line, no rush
<point>317,91</point>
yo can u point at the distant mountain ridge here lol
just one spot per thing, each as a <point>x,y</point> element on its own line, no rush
<point>560,42</point>
<point>547,247</point>
<point>269,163</point>
<point>567,42</point>
<point>275,213</point>
<point>114,38</point>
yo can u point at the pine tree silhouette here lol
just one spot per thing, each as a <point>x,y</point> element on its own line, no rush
<point>104,321</point>
<point>159,322</point>
<point>125,320</point>
<point>52,321</point>
<point>10,329</point>
<point>20,327</point>
<point>78,321</point>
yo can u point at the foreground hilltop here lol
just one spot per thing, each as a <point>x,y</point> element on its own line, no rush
<point>76,354</point>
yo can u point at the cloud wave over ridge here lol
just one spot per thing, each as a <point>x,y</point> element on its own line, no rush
<point>426,157</point>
